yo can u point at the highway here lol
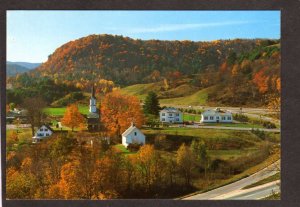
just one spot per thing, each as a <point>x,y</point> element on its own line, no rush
<point>230,191</point>
<point>255,193</point>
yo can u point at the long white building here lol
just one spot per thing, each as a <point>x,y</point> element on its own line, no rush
<point>216,116</point>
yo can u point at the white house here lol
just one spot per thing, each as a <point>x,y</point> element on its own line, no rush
<point>133,135</point>
<point>170,115</point>
<point>216,116</point>
<point>43,132</point>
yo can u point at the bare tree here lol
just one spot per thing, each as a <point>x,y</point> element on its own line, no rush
<point>34,107</point>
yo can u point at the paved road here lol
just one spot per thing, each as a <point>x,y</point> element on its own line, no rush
<point>255,193</point>
<point>238,185</point>
<point>12,126</point>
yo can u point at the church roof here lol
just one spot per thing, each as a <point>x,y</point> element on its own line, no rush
<point>93,115</point>
<point>130,129</point>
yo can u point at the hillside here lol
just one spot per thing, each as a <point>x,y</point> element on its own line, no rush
<point>243,72</point>
<point>127,61</point>
<point>249,79</point>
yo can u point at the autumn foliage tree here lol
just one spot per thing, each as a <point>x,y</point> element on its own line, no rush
<point>186,162</point>
<point>72,117</point>
<point>118,111</point>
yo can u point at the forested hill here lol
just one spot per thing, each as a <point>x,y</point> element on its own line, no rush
<point>127,61</point>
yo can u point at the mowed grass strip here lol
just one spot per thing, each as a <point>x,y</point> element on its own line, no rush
<point>51,111</point>
<point>264,181</point>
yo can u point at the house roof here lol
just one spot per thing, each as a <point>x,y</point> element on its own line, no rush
<point>47,126</point>
<point>216,112</point>
<point>130,129</point>
<point>170,110</point>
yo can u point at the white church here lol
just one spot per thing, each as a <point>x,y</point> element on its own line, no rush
<point>133,136</point>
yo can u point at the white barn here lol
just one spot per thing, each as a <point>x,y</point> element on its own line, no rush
<point>133,135</point>
<point>170,115</point>
<point>43,132</point>
<point>216,116</point>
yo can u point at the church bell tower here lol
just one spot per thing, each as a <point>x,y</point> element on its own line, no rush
<point>93,108</point>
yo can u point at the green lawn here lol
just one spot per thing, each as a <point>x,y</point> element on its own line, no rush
<point>191,117</point>
<point>123,149</point>
<point>264,181</point>
<point>51,111</point>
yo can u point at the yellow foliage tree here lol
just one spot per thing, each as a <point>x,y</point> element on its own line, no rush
<point>118,111</point>
<point>72,117</point>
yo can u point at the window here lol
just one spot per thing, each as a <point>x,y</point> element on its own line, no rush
<point>170,114</point>
<point>177,119</point>
<point>46,130</point>
<point>163,119</point>
<point>229,118</point>
<point>217,118</point>
<point>47,134</point>
<point>223,118</point>
<point>135,133</point>
<point>211,118</point>
<point>163,114</point>
<point>206,118</point>
<point>177,114</point>
<point>41,129</point>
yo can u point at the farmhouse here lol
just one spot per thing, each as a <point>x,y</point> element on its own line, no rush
<point>170,115</point>
<point>133,135</point>
<point>93,117</point>
<point>216,116</point>
<point>43,132</point>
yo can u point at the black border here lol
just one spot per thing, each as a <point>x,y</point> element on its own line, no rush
<point>290,76</point>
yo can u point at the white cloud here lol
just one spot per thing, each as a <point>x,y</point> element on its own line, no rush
<point>178,27</point>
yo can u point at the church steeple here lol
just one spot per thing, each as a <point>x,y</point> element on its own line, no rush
<point>93,92</point>
<point>93,108</point>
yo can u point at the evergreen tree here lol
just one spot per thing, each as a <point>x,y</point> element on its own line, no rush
<point>151,105</point>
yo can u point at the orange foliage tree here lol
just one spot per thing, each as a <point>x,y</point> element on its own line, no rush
<point>72,117</point>
<point>118,111</point>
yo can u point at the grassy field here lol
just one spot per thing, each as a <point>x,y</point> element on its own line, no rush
<point>203,133</point>
<point>60,111</point>
<point>242,125</point>
<point>198,98</point>
<point>264,181</point>
<point>139,90</point>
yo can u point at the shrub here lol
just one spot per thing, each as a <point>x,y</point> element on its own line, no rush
<point>261,134</point>
<point>269,125</point>
<point>241,117</point>
<point>134,147</point>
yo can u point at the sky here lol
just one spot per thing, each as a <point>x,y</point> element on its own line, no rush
<point>33,35</point>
